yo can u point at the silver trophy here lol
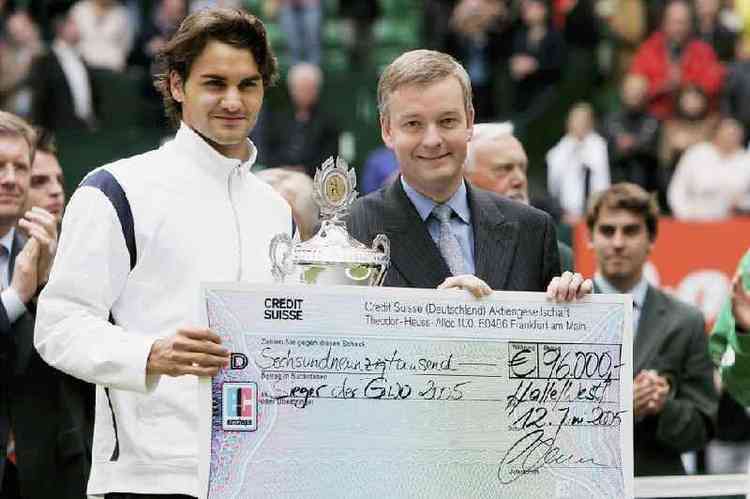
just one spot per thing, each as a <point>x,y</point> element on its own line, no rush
<point>331,256</point>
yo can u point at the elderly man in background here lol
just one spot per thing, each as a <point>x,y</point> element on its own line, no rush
<point>303,136</point>
<point>496,161</point>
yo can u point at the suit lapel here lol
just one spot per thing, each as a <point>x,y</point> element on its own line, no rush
<point>495,239</point>
<point>414,253</point>
<point>650,327</point>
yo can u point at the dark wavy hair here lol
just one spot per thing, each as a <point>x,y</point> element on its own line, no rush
<point>231,26</point>
<point>628,197</point>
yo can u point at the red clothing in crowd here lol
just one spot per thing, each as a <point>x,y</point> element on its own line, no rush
<point>698,65</point>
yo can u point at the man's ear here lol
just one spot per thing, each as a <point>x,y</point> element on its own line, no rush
<point>176,86</point>
<point>470,123</point>
<point>385,131</point>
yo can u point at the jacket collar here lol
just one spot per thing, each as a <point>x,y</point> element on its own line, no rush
<point>190,143</point>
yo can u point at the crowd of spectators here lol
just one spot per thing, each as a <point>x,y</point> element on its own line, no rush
<point>678,67</point>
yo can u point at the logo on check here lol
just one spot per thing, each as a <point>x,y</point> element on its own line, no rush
<point>239,406</point>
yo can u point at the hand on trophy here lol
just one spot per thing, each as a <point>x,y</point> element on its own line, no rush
<point>470,283</point>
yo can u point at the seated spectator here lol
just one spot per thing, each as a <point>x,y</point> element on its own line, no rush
<point>436,22</point>
<point>476,38</point>
<point>713,31</point>
<point>304,136</point>
<point>359,17</point>
<point>380,168</point>
<point>712,178</point>
<point>577,166</point>
<point>158,28</point>
<point>536,62</point>
<point>297,189</point>
<point>62,89</point>
<point>736,95</point>
<point>692,123</point>
<point>106,33</point>
<point>632,135</point>
<point>626,23</point>
<point>301,23</point>
<point>18,47</point>
<point>673,58</point>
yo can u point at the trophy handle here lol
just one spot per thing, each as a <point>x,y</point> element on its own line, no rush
<point>383,244</point>
<point>280,252</point>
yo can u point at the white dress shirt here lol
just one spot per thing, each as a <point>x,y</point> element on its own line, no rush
<point>638,292</point>
<point>566,174</point>
<point>78,79</point>
<point>14,307</point>
<point>707,185</point>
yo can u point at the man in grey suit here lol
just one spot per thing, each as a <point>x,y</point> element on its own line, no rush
<point>444,232</point>
<point>674,398</point>
<point>42,428</point>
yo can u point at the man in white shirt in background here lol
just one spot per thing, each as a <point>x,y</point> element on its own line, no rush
<point>62,89</point>
<point>578,165</point>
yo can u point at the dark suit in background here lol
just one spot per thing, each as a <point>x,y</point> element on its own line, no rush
<point>284,140</point>
<point>672,340</point>
<point>52,105</point>
<point>49,412</point>
<point>515,246</point>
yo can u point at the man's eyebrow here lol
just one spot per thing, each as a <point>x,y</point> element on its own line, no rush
<point>210,76</point>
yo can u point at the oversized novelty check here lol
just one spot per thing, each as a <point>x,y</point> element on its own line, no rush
<point>349,392</point>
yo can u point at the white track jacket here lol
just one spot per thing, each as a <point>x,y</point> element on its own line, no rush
<point>194,215</point>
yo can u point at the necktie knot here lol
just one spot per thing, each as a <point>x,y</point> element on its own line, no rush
<point>442,212</point>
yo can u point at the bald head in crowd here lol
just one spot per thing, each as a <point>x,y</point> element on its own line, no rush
<point>304,82</point>
<point>497,162</point>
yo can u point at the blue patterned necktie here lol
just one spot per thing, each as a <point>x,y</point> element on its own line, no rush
<point>448,243</point>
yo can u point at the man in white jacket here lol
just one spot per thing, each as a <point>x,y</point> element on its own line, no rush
<point>139,235</point>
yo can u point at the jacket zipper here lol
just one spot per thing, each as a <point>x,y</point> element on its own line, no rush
<point>236,172</point>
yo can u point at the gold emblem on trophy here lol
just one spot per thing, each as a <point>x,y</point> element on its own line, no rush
<point>331,256</point>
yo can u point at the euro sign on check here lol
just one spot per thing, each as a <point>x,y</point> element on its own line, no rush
<point>337,391</point>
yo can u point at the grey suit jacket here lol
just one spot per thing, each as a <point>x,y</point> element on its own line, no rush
<point>672,340</point>
<point>515,246</point>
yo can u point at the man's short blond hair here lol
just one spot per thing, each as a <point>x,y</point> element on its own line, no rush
<point>13,126</point>
<point>421,67</point>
